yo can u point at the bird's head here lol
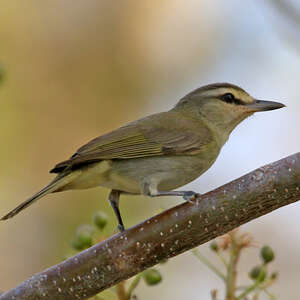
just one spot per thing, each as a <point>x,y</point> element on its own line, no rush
<point>223,105</point>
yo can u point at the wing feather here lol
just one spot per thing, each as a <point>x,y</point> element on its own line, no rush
<point>151,136</point>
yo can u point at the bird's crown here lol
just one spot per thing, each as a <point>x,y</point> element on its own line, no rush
<point>225,92</point>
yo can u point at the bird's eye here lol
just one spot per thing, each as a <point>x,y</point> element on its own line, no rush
<point>229,98</point>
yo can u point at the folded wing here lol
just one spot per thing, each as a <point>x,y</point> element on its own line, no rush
<point>151,136</point>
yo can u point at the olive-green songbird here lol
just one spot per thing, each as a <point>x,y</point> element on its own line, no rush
<point>154,155</point>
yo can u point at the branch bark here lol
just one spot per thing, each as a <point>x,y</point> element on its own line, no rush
<point>166,235</point>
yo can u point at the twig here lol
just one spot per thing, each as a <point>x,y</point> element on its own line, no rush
<point>121,292</point>
<point>205,261</point>
<point>133,285</point>
<point>166,235</point>
<point>222,259</point>
<point>271,296</point>
<point>252,287</point>
<point>214,294</point>
<point>231,270</point>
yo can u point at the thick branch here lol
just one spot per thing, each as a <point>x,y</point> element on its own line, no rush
<point>167,234</point>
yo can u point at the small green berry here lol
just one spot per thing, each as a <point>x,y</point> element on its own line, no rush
<point>274,275</point>
<point>214,246</point>
<point>152,276</point>
<point>267,254</point>
<point>258,273</point>
<point>83,237</point>
<point>100,219</point>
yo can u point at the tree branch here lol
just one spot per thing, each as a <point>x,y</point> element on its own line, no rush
<point>166,235</point>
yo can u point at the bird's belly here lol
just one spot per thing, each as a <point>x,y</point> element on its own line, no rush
<point>167,173</point>
<point>128,175</point>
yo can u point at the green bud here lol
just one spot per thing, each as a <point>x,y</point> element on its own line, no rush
<point>83,237</point>
<point>214,246</point>
<point>258,273</point>
<point>152,276</point>
<point>100,219</point>
<point>274,275</point>
<point>267,254</point>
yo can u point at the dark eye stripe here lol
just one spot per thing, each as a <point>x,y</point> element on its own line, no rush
<point>229,98</point>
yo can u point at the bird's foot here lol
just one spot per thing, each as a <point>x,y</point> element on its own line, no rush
<point>121,227</point>
<point>190,196</point>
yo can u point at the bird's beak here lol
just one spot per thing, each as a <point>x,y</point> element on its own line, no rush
<point>261,105</point>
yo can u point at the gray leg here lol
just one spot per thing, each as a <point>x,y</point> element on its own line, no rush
<point>113,198</point>
<point>151,191</point>
<point>186,195</point>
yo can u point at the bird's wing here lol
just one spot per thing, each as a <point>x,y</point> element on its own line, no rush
<point>151,136</point>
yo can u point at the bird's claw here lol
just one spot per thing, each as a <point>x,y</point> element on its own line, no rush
<point>190,196</point>
<point>121,227</point>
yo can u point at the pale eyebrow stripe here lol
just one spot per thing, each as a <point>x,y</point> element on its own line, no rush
<point>218,92</point>
<point>218,86</point>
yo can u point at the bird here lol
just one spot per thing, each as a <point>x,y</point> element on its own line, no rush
<point>155,155</point>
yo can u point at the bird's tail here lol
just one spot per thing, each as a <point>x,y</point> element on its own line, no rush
<point>59,182</point>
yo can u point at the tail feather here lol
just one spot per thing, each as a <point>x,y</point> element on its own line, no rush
<point>57,183</point>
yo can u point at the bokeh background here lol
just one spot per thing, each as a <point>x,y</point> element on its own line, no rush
<point>76,69</point>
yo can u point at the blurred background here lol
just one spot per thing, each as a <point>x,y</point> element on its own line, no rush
<point>73,70</point>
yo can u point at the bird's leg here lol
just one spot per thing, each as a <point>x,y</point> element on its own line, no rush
<point>114,197</point>
<point>153,192</point>
<point>186,195</point>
